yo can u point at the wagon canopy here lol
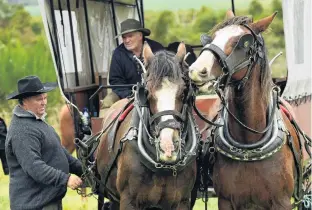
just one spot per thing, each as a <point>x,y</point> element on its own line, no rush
<point>81,35</point>
<point>297,27</point>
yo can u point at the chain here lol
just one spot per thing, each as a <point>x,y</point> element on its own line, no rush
<point>83,194</point>
<point>307,201</point>
<point>245,152</point>
<point>171,167</point>
<point>157,145</point>
<point>79,190</point>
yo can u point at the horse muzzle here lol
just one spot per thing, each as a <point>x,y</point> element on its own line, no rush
<point>200,76</point>
<point>169,143</point>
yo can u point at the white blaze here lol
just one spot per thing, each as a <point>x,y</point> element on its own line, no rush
<point>206,59</point>
<point>166,97</point>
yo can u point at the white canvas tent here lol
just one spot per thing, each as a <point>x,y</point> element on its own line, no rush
<point>298,30</point>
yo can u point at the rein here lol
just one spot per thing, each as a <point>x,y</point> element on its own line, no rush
<point>271,117</point>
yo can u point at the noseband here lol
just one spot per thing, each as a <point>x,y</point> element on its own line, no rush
<point>179,118</point>
<point>245,53</point>
<point>149,129</point>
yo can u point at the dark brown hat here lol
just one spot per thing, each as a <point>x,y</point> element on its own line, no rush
<point>131,25</point>
<point>30,86</point>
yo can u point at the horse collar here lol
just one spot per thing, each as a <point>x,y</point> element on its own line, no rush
<point>271,143</point>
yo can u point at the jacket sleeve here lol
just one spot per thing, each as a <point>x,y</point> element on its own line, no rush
<point>75,166</point>
<point>117,77</point>
<point>27,149</point>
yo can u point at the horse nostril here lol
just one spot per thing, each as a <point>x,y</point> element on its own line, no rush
<point>203,71</point>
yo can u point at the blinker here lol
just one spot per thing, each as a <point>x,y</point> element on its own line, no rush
<point>245,41</point>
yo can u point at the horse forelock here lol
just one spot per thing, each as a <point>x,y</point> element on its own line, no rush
<point>164,65</point>
<point>237,20</point>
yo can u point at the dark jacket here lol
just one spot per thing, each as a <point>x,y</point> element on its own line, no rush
<point>3,132</point>
<point>124,69</point>
<point>39,165</point>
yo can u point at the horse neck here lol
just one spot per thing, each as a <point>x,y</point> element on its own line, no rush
<point>249,106</point>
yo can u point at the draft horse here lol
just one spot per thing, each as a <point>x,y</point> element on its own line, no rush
<point>147,158</point>
<point>259,158</point>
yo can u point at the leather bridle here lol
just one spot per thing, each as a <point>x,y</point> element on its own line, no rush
<point>245,54</point>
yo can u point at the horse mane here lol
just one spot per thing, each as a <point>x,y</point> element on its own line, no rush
<point>265,71</point>
<point>266,81</point>
<point>237,20</point>
<point>164,64</point>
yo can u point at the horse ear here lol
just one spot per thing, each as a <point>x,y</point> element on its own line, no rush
<point>181,52</point>
<point>147,52</point>
<point>263,24</point>
<point>229,14</point>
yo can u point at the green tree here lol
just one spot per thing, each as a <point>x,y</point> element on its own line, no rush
<point>255,8</point>
<point>206,19</point>
<point>20,20</point>
<point>23,51</point>
<point>36,27</point>
<point>276,5</point>
<point>164,23</point>
<point>6,12</point>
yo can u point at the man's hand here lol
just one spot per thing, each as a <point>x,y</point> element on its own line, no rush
<point>74,182</point>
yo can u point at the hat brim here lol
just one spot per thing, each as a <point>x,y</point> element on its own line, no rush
<point>47,87</point>
<point>145,31</point>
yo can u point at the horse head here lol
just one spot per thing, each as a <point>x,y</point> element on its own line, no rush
<point>235,44</point>
<point>236,60</point>
<point>167,91</point>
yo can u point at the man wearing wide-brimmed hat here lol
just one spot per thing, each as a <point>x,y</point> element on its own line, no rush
<point>39,166</point>
<point>124,69</point>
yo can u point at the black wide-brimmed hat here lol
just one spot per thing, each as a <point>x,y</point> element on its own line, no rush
<point>131,25</point>
<point>30,86</point>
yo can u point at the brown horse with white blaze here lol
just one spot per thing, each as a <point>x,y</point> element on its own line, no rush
<point>255,165</point>
<point>150,160</point>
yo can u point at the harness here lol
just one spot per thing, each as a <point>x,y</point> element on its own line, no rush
<point>246,53</point>
<point>143,136</point>
<point>148,143</point>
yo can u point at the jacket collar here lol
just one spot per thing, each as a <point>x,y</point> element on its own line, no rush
<point>20,112</point>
